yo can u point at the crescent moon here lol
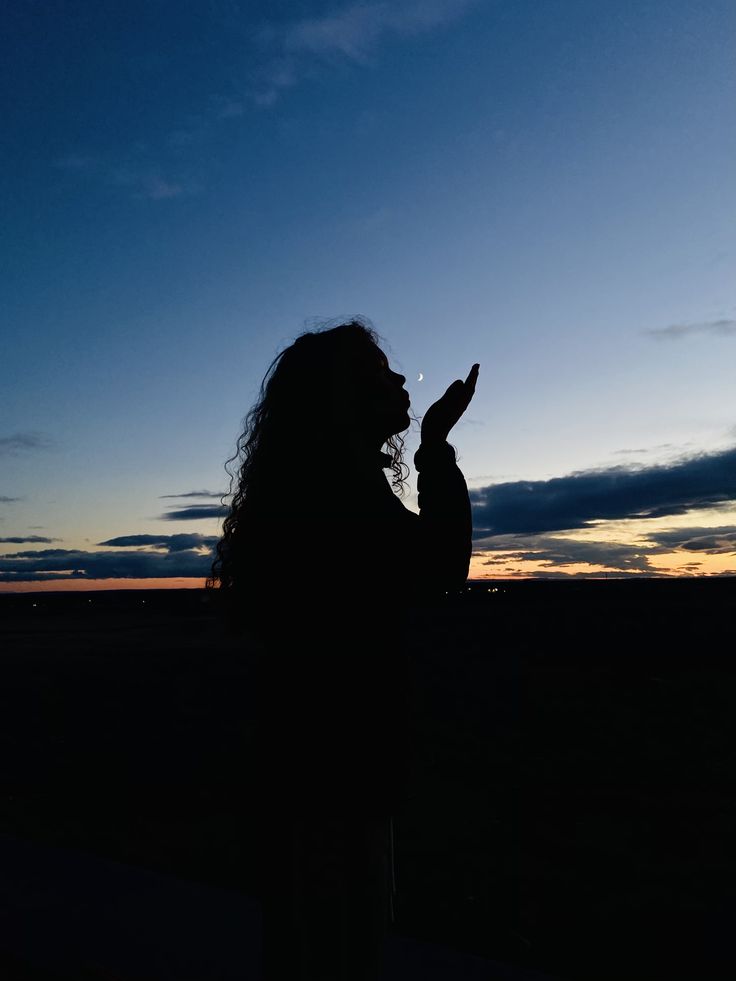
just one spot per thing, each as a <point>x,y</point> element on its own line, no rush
<point>420,377</point>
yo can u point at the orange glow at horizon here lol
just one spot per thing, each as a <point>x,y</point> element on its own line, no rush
<point>675,564</point>
<point>682,563</point>
<point>672,564</point>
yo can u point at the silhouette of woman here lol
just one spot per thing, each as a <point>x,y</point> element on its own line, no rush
<point>320,557</point>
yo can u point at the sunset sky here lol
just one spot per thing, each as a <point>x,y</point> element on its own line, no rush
<point>546,187</point>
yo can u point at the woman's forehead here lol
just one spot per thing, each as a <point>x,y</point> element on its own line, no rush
<point>378,355</point>
<point>369,356</point>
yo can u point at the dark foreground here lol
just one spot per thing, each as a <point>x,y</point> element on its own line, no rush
<point>571,805</point>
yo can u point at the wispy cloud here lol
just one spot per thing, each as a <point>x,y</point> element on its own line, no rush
<point>149,183</point>
<point>354,30</point>
<point>650,449</point>
<point>142,180</point>
<point>713,541</point>
<point>202,493</point>
<point>282,55</point>
<point>553,551</point>
<point>8,500</point>
<point>351,32</point>
<point>196,511</point>
<point>710,328</point>
<point>579,499</point>
<point>78,162</point>
<point>550,573</point>
<point>27,442</point>
<point>18,540</point>
<point>226,107</point>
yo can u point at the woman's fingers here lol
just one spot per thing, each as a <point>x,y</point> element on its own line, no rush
<point>464,390</point>
<point>472,378</point>
<point>446,411</point>
<point>463,386</point>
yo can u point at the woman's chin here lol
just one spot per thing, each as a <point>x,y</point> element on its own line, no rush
<point>402,426</point>
<point>401,423</point>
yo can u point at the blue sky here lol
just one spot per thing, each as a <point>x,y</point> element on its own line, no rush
<point>544,187</point>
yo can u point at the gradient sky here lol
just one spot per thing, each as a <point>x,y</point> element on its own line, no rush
<point>545,187</point>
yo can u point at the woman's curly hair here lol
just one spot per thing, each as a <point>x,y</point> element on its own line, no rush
<point>300,402</point>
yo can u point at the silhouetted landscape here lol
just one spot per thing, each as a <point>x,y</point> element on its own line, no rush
<point>571,804</point>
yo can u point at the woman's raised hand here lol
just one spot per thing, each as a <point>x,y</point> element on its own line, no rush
<point>442,415</point>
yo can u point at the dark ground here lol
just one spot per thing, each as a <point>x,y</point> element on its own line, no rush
<point>571,806</point>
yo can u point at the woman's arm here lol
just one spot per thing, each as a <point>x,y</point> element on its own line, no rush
<point>445,523</point>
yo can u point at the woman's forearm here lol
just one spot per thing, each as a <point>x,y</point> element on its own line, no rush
<point>445,520</point>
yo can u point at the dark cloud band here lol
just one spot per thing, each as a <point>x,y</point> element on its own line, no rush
<point>172,543</point>
<point>577,500</point>
<point>196,511</point>
<point>18,540</point>
<point>60,563</point>
<point>202,493</point>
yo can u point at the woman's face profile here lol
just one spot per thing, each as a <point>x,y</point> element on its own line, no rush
<point>385,401</point>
